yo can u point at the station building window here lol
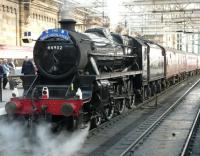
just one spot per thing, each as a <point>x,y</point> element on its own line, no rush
<point>27,34</point>
<point>179,41</point>
<point>198,43</point>
<point>4,8</point>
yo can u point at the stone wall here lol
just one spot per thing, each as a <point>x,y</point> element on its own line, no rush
<point>22,20</point>
<point>37,17</point>
<point>9,22</point>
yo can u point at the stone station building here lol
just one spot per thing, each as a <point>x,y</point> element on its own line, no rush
<point>26,18</point>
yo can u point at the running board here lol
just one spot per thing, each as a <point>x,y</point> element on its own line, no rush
<point>117,74</point>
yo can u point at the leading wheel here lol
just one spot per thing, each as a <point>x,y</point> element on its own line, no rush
<point>96,119</point>
<point>109,112</point>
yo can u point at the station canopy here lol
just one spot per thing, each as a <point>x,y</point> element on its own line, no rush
<point>147,16</point>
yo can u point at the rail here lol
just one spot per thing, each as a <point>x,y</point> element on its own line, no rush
<point>151,128</point>
<point>189,138</point>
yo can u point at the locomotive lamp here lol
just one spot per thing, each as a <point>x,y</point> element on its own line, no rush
<point>79,94</point>
<point>45,93</point>
<point>15,93</point>
<point>12,107</point>
<point>67,109</point>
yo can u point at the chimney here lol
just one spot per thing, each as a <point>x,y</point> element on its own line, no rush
<point>68,24</point>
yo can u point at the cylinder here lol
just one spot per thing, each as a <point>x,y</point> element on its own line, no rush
<point>12,107</point>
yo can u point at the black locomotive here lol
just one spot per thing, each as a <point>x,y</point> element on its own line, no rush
<point>93,75</point>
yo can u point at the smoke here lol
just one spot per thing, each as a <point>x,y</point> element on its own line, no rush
<point>63,144</point>
<point>14,141</point>
<point>11,138</point>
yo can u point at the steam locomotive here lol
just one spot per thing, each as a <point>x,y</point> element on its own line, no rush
<point>93,75</point>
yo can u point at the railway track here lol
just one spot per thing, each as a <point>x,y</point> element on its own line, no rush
<point>118,119</point>
<point>191,147</point>
<point>139,127</point>
<point>147,132</point>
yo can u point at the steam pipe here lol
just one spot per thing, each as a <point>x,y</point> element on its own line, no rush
<point>94,66</point>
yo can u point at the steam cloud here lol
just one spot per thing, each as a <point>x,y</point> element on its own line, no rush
<point>14,141</point>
